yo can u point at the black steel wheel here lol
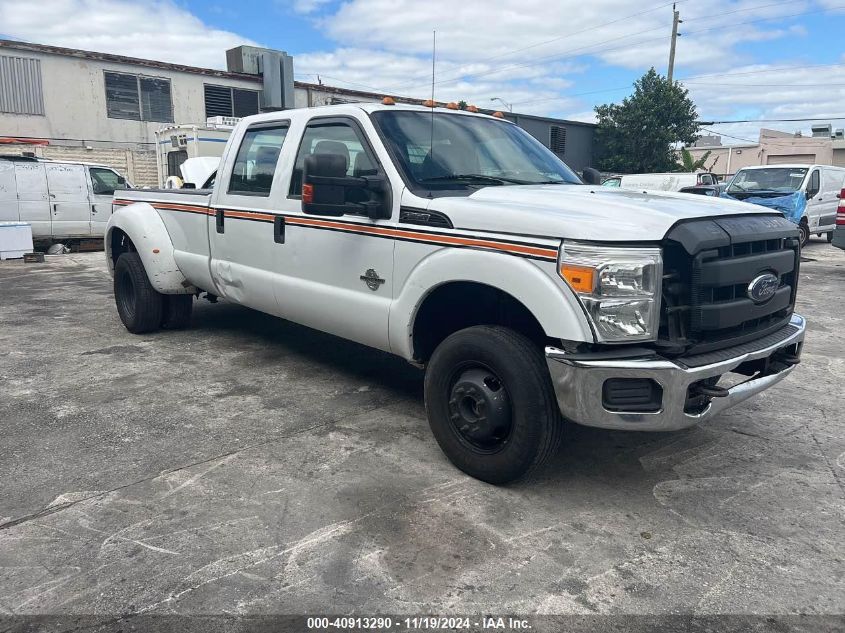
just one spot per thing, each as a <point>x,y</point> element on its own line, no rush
<point>138,303</point>
<point>491,405</point>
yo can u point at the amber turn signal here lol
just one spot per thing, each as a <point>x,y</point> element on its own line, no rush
<point>581,278</point>
<point>308,194</point>
<point>388,101</point>
<point>499,115</point>
<point>472,108</point>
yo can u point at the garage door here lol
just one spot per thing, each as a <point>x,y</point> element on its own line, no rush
<point>783,159</point>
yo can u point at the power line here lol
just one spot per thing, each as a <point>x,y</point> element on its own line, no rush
<point>736,138</point>
<point>824,118</point>
<point>562,37</point>
<point>565,54</point>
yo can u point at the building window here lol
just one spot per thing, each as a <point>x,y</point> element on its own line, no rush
<point>226,101</point>
<point>20,85</point>
<point>138,98</point>
<point>557,139</point>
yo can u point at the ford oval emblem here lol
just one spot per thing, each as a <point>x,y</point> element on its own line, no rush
<point>763,288</point>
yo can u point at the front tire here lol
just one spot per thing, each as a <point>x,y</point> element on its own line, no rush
<point>804,230</point>
<point>138,303</point>
<point>491,405</point>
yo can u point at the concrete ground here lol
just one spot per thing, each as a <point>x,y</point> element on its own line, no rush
<point>252,466</point>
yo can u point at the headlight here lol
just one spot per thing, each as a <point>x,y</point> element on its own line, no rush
<point>618,287</point>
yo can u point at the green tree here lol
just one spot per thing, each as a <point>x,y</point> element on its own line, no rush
<point>688,164</point>
<point>638,135</point>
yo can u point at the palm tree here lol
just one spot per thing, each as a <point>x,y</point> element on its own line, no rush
<point>688,164</point>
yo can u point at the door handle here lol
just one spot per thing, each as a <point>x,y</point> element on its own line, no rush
<point>279,229</point>
<point>218,217</point>
<point>55,209</point>
<point>93,208</point>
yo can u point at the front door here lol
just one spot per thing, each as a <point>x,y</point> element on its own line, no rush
<point>336,273</point>
<point>33,198</point>
<point>69,203</point>
<point>104,182</point>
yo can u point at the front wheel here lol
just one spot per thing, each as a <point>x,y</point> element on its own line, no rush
<point>491,405</point>
<point>804,230</point>
<point>138,303</point>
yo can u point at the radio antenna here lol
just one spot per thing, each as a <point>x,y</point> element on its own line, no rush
<point>433,57</point>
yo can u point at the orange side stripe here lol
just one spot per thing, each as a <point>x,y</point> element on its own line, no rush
<point>443,239</point>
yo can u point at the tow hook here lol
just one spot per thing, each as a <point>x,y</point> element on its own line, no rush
<point>713,391</point>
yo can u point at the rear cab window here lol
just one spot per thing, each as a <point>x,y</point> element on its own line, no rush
<point>256,160</point>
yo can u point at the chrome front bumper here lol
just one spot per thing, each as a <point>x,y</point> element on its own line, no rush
<point>579,384</point>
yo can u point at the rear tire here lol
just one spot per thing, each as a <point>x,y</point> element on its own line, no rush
<point>138,303</point>
<point>829,236</point>
<point>176,311</point>
<point>491,405</point>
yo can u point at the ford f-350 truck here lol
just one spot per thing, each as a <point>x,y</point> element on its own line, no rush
<point>460,243</point>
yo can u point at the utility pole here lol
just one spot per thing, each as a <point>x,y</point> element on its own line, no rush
<point>675,21</point>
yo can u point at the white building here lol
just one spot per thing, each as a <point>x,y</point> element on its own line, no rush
<point>79,105</point>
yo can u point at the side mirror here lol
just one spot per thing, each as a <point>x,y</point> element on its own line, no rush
<point>121,180</point>
<point>189,185</point>
<point>327,190</point>
<point>592,176</point>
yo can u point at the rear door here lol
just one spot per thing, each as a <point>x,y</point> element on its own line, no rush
<point>241,231</point>
<point>33,197</point>
<point>8,192</point>
<point>69,202</point>
<point>104,182</point>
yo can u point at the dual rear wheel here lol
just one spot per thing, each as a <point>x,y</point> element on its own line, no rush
<point>140,306</point>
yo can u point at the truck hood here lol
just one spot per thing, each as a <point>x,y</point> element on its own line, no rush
<point>583,212</point>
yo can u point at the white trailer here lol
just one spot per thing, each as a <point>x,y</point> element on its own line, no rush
<point>177,143</point>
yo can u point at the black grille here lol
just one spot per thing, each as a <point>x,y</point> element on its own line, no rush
<point>708,266</point>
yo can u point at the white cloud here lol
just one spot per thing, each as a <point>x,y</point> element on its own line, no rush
<point>546,58</point>
<point>157,30</point>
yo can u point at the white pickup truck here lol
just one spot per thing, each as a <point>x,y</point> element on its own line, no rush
<point>458,242</point>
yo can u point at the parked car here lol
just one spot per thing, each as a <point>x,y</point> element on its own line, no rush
<point>806,194</point>
<point>460,243</point>
<point>60,200</point>
<point>674,181</point>
<point>838,237</point>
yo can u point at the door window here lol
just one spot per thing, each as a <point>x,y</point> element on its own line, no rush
<point>337,138</point>
<point>104,182</point>
<point>256,160</point>
<point>174,162</point>
<point>815,185</point>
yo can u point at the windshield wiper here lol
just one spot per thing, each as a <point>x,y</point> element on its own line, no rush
<point>493,180</point>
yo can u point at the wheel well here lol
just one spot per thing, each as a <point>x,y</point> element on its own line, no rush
<point>461,304</point>
<point>120,243</point>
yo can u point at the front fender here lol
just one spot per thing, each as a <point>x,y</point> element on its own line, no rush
<point>145,228</point>
<point>535,284</point>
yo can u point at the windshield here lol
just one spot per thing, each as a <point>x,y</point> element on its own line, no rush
<point>440,151</point>
<point>781,179</point>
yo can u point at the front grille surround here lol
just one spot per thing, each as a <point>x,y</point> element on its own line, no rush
<point>708,265</point>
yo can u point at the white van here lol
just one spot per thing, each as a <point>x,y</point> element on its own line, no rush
<point>60,200</point>
<point>673,181</point>
<point>806,194</point>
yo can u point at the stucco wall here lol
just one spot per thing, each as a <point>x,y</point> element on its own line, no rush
<point>75,101</point>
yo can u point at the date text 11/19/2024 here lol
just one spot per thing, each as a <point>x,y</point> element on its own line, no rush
<point>385,623</point>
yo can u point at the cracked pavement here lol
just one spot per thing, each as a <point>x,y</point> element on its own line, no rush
<point>253,466</point>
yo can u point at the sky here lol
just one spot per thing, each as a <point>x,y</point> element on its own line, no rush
<point>739,59</point>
